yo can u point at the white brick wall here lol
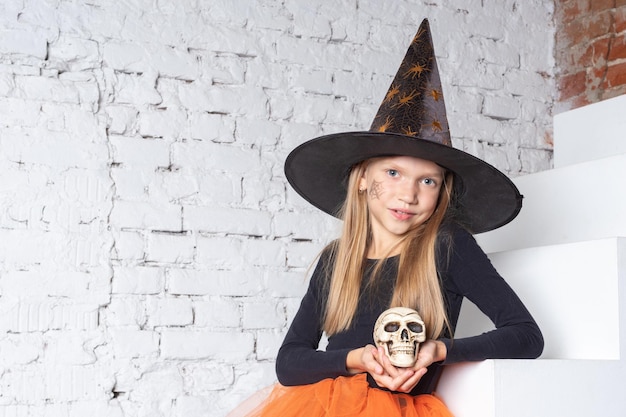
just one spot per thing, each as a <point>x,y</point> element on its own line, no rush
<point>151,252</point>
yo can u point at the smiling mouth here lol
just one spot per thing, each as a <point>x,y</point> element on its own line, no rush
<point>402,214</point>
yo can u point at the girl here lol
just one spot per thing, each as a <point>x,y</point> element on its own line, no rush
<point>409,203</point>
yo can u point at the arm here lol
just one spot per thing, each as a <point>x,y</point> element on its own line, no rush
<point>470,274</point>
<point>299,362</point>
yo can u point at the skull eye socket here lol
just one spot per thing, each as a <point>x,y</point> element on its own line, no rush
<point>415,327</point>
<point>392,327</point>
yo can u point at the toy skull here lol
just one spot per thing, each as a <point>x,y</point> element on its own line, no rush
<point>399,331</point>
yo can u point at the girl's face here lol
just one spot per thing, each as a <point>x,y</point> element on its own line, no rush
<point>402,193</point>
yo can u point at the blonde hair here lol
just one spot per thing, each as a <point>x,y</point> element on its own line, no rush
<point>417,285</point>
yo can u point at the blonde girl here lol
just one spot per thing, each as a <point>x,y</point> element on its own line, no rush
<point>409,202</point>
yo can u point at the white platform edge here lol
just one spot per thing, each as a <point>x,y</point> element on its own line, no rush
<point>570,204</point>
<point>545,387</point>
<point>591,132</point>
<point>567,288</point>
<point>538,388</point>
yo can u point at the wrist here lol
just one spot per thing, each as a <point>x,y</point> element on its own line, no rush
<point>441,351</point>
<point>354,364</point>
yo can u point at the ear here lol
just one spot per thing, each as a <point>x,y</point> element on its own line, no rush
<point>362,183</point>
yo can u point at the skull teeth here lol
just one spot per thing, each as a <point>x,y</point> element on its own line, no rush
<point>407,350</point>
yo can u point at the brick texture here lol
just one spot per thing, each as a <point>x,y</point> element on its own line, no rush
<point>590,51</point>
<point>152,254</point>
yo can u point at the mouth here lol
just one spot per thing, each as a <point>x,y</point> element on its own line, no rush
<point>401,214</point>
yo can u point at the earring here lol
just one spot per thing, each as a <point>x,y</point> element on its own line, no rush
<point>361,190</point>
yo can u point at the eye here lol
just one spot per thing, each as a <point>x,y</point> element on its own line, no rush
<point>429,181</point>
<point>415,327</point>
<point>393,173</point>
<point>392,327</point>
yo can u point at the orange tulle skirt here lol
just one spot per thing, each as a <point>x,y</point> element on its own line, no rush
<point>343,397</point>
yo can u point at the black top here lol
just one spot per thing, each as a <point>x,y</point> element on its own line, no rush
<point>465,271</point>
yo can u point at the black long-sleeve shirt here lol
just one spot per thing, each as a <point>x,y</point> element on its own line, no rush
<point>465,271</point>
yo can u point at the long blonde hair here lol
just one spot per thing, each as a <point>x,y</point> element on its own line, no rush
<point>417,285</point>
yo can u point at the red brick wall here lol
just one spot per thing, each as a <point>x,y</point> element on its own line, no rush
<point>590,51</point>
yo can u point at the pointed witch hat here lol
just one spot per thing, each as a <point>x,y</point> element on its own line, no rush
<point>411,121</point>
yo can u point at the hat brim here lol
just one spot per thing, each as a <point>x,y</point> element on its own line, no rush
<point>317,170</point>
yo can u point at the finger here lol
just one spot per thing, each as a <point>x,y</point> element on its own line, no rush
<point>410,383</point>
<point>398,382</point>
<point>376,366</point>
<point>425,357</point>
<point>371,362</point>
<point>422,363</point>
<point>386,363</point>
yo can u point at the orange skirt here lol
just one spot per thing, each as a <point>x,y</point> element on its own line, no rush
<point>346,397</point>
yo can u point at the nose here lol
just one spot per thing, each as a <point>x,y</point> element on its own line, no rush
<point>408,193</point>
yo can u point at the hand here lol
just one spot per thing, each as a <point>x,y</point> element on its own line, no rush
<point>394,378</point>
<point>375,362</point>
<point>430,351</point>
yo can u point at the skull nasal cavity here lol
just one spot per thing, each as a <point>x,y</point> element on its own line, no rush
<point>405,335</point>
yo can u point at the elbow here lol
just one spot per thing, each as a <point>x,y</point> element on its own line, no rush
<point>540,344</point>
<point>529,343</point>
<point>535,343</point>
<point>282,370</point>
<point>281,375</point>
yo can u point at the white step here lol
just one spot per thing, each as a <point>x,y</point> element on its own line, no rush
<point>574,203</point>
<point>539,388</point>
<point>573,290</point>
<point>592,132</point>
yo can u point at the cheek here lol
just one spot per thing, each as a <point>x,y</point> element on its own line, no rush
<point>433,200</point>
<point>428,197</point>
<point>376,189</point>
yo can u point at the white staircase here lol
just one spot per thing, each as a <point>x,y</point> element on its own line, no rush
<point>565,255</point>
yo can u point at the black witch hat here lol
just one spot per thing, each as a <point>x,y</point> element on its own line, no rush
<point>411,121</point>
